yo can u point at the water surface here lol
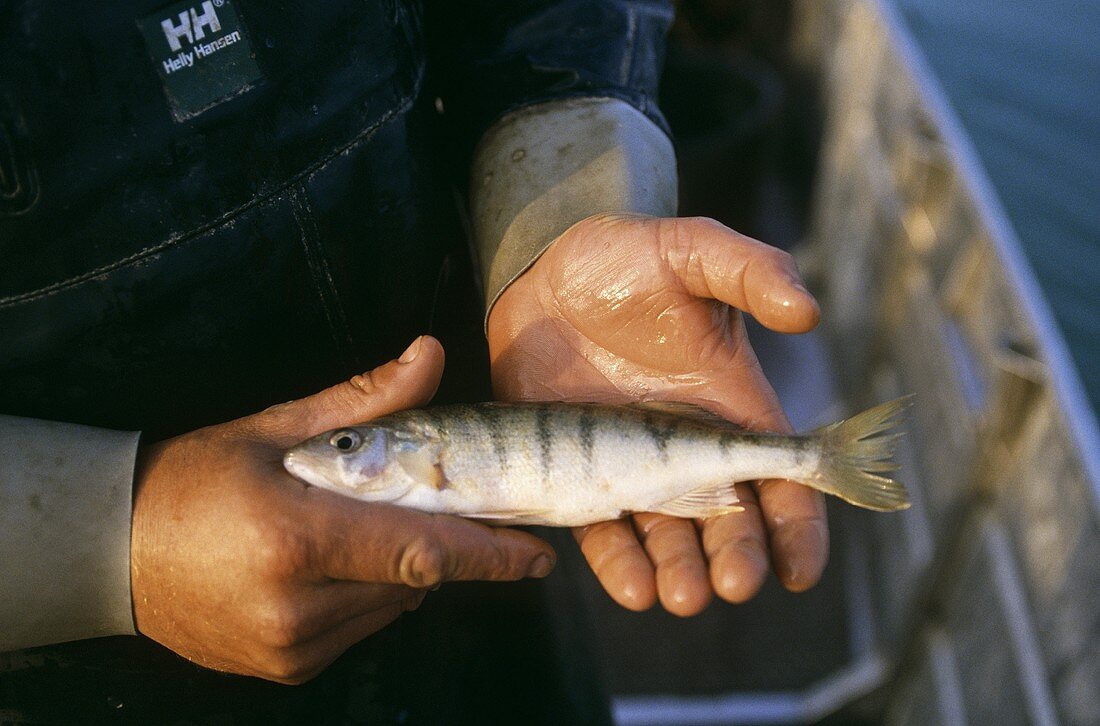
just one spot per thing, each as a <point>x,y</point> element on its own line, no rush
<point>1024,77</point>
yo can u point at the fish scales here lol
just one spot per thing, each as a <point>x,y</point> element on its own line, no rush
<point>570,464</point>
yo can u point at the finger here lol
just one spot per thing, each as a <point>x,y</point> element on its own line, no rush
<point>347,599</point>
<point>302,662</point>
<point>794,515</point>
<point>714,261</point>
<point>799,534</point>
<point>325,607</point>
<point>737,550</point>
<point>355,629</point>
<point>388,544</point>
<point>683,585</point>
<point>406,382</point>
<point>619,562</point>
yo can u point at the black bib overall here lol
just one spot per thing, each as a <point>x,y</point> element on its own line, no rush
<point>213,206</point>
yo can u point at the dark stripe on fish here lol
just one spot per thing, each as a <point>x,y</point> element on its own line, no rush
<point>497,435</point>
<point>542,431</point>
<point>587,425</point>
<point>660,433</point>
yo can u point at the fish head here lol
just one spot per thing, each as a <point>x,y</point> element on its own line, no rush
<point>370,462</point>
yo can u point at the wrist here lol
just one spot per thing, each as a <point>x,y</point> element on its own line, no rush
<point>543,168</point>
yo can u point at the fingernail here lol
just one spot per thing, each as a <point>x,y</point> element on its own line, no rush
<point>412,351</point>
<point>540,567</point>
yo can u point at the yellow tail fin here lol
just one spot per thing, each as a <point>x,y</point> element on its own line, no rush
<point>857,451</point>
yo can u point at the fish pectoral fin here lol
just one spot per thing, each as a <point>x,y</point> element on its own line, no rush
<point>423,466</point>
<point>709,501</point>
<point>506,517</point>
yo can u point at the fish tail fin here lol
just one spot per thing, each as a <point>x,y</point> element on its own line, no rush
<point>857,451</point>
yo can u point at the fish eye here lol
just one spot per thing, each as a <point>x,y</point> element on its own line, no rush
<point>346,440</point>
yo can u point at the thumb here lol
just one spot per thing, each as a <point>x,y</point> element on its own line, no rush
<point>713,261</point>
<point>408,382</point>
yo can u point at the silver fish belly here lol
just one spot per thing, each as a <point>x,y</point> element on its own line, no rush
<point>568,464</point>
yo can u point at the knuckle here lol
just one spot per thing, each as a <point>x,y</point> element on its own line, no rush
<point>281,553</point>
<point>708,227</point>
<point>422,564</point>
<point>281,625</point>
<point>618,556</point>
<point>659,528</point>
<point>278,409</point>
<point>277,414</point>
<point>364,384</point>
<point>679,558</point>
<point>705,222</point>
<point>684,230</point>
<point>364,394</point>
<point>288,668</point>
<point>497,563</point>
<point>274,423</point>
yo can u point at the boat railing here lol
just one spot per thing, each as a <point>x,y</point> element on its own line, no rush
<point>984,593</point>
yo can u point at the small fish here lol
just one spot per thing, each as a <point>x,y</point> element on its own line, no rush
<point>570,464</point>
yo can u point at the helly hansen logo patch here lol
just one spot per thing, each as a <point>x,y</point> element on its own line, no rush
<point>191,25</point>
<point>201,53</point>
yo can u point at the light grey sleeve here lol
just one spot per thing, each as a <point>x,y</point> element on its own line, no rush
<point>65,506</point>
<point>542,168</point>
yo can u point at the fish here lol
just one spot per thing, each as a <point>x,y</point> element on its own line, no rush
<point>572,464</point>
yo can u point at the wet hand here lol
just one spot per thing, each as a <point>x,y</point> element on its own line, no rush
<point>239,567</point>
<point>626,307</point>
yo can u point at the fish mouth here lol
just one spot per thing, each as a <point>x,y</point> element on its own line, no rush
<point>298,467</point>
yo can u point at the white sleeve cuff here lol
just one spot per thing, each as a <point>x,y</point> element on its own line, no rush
<point>542,168</point>
<point>65,509</point>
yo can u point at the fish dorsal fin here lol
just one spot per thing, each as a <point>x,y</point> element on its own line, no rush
<point>686,410</point>
<point>709,501</point>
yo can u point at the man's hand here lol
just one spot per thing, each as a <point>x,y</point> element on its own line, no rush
<point>627,307</point>
<point>239,567</point>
